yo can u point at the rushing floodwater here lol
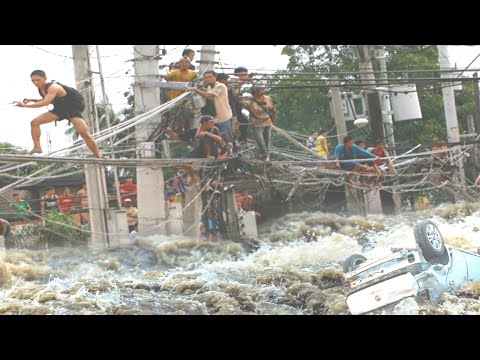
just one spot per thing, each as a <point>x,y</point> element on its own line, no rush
<point>293,272</point>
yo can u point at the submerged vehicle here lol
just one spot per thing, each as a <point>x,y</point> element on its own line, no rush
<point>422,273</point>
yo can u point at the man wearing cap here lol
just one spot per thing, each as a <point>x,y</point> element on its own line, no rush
<point>262,116</point>
<point>322,145</point>
<point>219,93</point>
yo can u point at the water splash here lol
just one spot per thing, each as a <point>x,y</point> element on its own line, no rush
<point>297,270</point>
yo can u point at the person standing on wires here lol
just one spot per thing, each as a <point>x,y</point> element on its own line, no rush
<point>322,145</point>
<point>68,104</point>
<point>262,117</point>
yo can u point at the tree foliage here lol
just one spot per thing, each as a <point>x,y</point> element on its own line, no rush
<point>307,109</point>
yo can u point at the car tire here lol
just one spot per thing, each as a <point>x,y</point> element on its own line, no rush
<point>352,262</point>
<point>429,239</point>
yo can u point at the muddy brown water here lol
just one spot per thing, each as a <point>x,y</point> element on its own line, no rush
<point>297,270</point>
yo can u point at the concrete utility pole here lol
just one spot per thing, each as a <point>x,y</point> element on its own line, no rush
<point>386,107</point>
<point>372,99</point>
<point>107,120</point>
<point>117,221</point>
<point>471,136</point>
<point>191,215</point>
<point>95,177</point>
<point>476,94</point>
<point>353,203</point>
<point>350,192</point>
<point>373,203</point>
<point>448,96</point>
<point>451,120</point>
<point>338,109</point>
<point>207,58</point>
<point>150,187</point>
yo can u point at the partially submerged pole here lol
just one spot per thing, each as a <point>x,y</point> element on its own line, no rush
<point>150,186</point>
<point>94,175</point>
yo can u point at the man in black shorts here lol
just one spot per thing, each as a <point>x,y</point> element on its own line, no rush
<point>68,104</point>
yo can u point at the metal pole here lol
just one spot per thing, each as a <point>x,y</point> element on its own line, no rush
<point>107,119</point>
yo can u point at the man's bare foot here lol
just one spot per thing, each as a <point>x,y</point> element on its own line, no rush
<point>36,150</point>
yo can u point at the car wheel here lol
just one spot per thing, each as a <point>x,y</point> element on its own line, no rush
<point>429,239</point>
<point>352,262</point>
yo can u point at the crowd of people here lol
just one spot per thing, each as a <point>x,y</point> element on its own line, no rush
<point>352,156</point>
<point>224,125</point>
<point>68,202</point>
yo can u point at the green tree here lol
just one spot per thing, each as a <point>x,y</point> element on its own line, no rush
<point>306,109</point>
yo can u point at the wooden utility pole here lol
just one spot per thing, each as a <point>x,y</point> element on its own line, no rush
<point>150,187</point>
<point>94,175</point>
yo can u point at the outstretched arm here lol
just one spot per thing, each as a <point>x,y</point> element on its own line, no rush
<point>48,99</point>
<point>202,92</point>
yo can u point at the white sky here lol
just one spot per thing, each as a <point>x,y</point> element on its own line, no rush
<point>18,61</point>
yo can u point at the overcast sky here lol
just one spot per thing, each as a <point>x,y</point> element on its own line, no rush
<point>18,61</point>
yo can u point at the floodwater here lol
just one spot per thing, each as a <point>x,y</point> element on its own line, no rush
<point>296,270</point>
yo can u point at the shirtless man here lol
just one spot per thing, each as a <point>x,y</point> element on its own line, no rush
<point>67,105</point>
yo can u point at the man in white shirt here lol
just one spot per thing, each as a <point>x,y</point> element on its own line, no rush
<point>219,93</point>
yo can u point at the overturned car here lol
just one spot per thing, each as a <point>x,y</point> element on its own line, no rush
<point>423,273</point>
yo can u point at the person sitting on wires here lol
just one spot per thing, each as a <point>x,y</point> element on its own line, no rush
<point>361,144</point>
<point>349,151</point>
<point>380,152</point>
<point>207,139</point>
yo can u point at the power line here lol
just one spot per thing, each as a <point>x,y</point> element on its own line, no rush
<point>50,52</point>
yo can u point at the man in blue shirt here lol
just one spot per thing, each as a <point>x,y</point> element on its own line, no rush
<point>349,151</point>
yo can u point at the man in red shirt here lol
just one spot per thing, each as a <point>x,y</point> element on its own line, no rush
<point>66,200</point>
<point>129,190</point>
